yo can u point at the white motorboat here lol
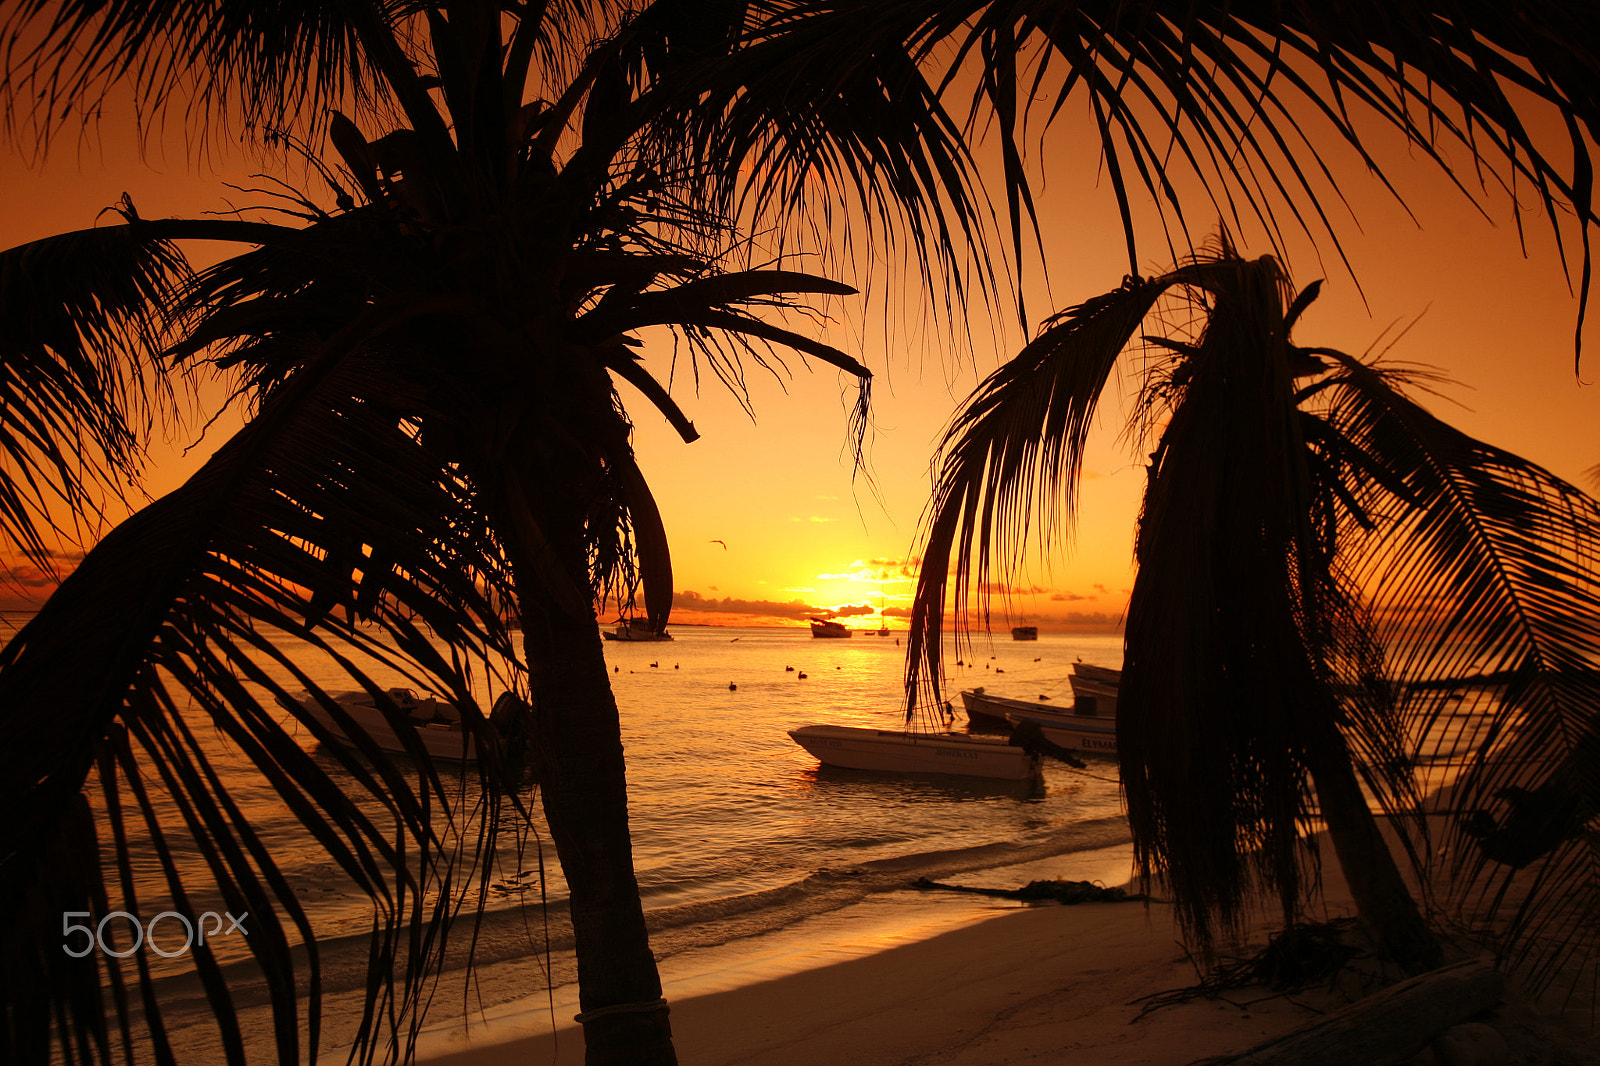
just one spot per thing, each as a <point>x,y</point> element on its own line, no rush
<point>917,753</point>
<point>822,627</point>
<point>985,709</point>
<point>1075,732</point>
<point>438,724</point>
<point>636,631</point>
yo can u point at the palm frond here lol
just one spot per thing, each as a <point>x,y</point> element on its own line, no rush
<point>1242,98</point>
<point>1250,666</point>
<point>822,124</point>
<point>83,312</point>
<point>323,518</point>
<point>1484,574</point>
<point>1237,627</point>
<point>270,68</point>
<point>1232,90</point>
<point>1016,444</point>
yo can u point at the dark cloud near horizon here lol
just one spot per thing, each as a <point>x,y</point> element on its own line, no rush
<point>694,601</point>
<point>797,609</point>
<point>29,577</point>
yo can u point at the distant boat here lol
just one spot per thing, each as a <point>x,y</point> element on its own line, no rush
<point>821,627</point>
<point>636,631</point>
<point>438,724</point>
<point>1090,726</point>
<point>1024,632</point>
<point>883,626</point>
<point>893,751</point>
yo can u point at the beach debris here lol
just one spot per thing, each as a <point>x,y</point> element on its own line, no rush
<point>1302,955</point>
<point>1391,1026</point>
<point>1065,892</point>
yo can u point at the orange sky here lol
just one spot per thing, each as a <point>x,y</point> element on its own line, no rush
<point>804,531</point>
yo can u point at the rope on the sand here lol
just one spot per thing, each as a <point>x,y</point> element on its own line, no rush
<point>642,1007</point>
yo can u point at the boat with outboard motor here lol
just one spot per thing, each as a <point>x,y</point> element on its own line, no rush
<point>895,751</point>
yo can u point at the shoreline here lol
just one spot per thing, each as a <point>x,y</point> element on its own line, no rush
<point>1012,984</point>
<point>1029,984</point>
<point>703,946</point>
<point>875,920</point>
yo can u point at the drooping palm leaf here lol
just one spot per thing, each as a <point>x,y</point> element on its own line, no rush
<point>824,125</point>
<point>1484,574</point>
<point>1301,545</point>
<point>239,61</point>
<point>1017,444</point>
<point>1240,634</point>
<point>81,313</point>
<point>1226,108</point>
<point>321,516</point>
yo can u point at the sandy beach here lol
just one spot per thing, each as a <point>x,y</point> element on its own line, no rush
<point>1041,984</point>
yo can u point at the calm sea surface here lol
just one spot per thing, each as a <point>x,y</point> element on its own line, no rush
<point>725,806</point>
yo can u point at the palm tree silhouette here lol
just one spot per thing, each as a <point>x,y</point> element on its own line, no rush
<point>434,362</point>
<point>1320,562</point>
<point>437,437</point>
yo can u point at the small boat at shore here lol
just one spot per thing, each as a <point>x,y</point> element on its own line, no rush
<point>437,723</point>
<point>1104,675</point>
<point>1095,688</point>
<point>1087,727</point>
<point>1093,697</point>
<point>894,751</point>
<point>822,627</point>
<point>1092,736</point>
<point>1024,632</point>
<point>636,631</point>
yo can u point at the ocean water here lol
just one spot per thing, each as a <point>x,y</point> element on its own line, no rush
<point>723,801</point>
<point>736,829</point>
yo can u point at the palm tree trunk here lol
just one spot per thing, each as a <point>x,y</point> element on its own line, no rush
<point>583,786</point>
<point>1383,902</point>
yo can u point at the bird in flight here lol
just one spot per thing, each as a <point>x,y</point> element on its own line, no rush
<point>724,546</point>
